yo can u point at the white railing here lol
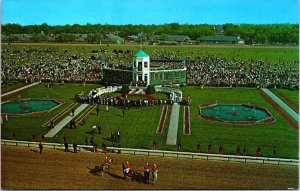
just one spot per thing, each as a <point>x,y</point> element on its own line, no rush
<point>191,155</point>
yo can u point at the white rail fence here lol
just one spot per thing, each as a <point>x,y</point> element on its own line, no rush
<point>191,155</point>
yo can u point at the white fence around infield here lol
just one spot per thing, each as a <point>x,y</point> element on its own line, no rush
<point>162,153</point>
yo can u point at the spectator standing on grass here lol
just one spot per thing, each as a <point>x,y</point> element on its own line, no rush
<point>106,108</point>
<point>123,112</point>
<point>94,129</point>
<point>274,151</point>
<point>244,151</point>
<point>209,149</point>
<point>97,110</point>
<point>75,147</point>
<point>258,152</point>
<point>33,138</point>
<point>198,148</point>
<point>43,139</point>
<point>99,129</point>
<point>221,150</point>
<point>238,151</point>
<point>86,141</point>
<point>51,123</point>
<point>73,111</point>
<point>41,147</point>
<point>66,147</point>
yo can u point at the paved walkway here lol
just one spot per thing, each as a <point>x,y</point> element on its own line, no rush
<point>173,127</point>
<point>283,105</point>
<point>65,121</point>
<point>19,89</point>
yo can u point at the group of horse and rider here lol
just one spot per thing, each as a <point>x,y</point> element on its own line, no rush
<point>128,172</point>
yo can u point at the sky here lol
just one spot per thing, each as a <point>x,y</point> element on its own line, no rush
<point>120,12</point>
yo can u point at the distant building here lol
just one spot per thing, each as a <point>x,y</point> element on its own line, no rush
<point>112,39</point>
<point>142,71</point>
<point>175,38</point>
<point>221,39</point>
<point>131,38</point>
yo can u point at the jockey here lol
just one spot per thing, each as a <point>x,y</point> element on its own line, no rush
<point>147,168</point>
<point>106,161</point>
<point>154,169</point>
<point>127,167</point>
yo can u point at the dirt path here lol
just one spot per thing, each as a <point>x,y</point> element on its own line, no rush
<point>26,168</point>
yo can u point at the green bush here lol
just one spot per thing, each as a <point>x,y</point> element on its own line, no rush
<point>150,89</point>
<point>125,89</point>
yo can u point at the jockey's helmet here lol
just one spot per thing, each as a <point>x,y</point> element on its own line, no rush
<point>127,162</point>
<point>154,165</point>
<point>147,164</point>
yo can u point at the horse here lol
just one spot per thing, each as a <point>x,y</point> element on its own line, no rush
<point>154,175</point>
<point>146,176</point>
<point>130,173</point>
<point>99,169</point>
<point>106,166</point>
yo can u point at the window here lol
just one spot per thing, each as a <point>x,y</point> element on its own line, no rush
<point>145,64</point>
<point>139,66</point>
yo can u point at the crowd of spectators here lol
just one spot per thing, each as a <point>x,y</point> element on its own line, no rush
<point>214,71</point>
<point>62,65</point>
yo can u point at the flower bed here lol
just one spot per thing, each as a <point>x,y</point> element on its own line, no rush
<point>279,110</point>
<point>162,120</point>
<point>146,96</point>
<point>288,101</point>
<point>186,121</point>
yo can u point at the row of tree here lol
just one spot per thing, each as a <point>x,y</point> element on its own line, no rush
<point>251,33</point>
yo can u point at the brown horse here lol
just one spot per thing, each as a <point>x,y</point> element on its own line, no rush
<point>131,173</point>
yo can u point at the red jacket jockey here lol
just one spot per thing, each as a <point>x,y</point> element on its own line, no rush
<point>127,167</point>
<point>147,168</point>
<point>106,161</point>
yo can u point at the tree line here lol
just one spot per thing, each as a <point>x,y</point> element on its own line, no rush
<point>93,33</point>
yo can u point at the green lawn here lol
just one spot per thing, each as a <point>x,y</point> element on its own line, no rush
<point>272,54</point>
<point>10,85</point>
<point>138,127</point>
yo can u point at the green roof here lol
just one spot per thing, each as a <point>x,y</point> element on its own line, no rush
<point>113,37</point>
<point>220,38</point>
<point>141,53</point>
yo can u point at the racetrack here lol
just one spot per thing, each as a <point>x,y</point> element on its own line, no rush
<point>26,168</point>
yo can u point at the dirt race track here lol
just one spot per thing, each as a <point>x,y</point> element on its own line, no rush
<point>26,168</point>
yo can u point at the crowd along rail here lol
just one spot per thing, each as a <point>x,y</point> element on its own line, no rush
<point>162,153</point>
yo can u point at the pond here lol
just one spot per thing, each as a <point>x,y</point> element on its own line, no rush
<point>29,106</point>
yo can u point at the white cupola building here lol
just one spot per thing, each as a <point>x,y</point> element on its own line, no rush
<point>141,67</point>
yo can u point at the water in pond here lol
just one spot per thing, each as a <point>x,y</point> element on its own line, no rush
<point>28,106</point>
<point>235,113</point>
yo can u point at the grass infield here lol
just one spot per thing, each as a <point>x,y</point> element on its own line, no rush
<point>138,126</point>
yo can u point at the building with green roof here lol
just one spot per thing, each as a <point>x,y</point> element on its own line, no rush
<point>221,39</point>
<point>111,38</point>
<point>176,38</point>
